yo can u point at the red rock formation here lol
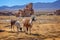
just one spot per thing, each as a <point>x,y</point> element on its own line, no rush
<point>28,11</point>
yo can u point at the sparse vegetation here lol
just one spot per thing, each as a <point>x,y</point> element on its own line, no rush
<point>46,28</point>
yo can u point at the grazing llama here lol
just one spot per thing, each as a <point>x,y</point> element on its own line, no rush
<point>17,24</point>
<point>14,22</point>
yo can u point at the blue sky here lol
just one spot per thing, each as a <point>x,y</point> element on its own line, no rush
<point>21,2</point>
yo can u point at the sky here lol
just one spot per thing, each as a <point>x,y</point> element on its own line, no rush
<point>21,2</point>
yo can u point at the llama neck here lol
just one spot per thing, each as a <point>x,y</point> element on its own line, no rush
<point>30,21</point>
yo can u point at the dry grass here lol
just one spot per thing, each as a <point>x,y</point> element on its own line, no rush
<point>45,28</point>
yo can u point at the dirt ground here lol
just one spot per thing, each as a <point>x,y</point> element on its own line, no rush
<point>44,28</point>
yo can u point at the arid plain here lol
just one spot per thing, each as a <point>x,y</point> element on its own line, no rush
<point>46,27</point>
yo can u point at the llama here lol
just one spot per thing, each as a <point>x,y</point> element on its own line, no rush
<point>27,24</point>
<point>16,23</point>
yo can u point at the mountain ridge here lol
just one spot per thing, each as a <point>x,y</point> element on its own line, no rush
<point>36,6</point>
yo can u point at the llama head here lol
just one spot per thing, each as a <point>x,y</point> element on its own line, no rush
<point>33,18</point>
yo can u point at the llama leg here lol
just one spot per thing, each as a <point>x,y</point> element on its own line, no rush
<point>17,27</point>
<point>23,28</point>
<point>29,30</point>
<point>26,30</point>
<point>11,27</point>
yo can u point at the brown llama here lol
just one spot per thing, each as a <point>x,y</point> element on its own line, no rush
<point>27,24</point>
